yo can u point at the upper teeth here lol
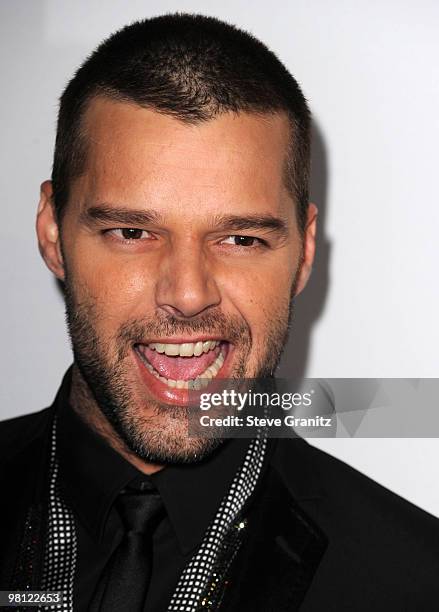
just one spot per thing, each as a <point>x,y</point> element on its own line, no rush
<point>186,349</point>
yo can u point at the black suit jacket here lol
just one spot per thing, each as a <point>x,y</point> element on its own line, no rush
<point>321,537</point>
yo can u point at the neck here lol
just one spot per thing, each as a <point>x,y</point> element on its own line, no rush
<point>83,403</point>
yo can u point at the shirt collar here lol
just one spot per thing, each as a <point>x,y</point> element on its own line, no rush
<point>93,474</point>
<point>192,493</point>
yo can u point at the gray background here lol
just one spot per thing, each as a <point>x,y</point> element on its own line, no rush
<point>369,70</point>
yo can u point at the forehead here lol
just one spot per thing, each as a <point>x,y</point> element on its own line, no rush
<point>137,155</point>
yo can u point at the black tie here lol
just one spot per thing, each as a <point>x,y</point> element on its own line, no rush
<point>124,582</point>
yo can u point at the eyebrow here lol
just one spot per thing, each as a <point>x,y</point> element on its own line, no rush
<point>252,222</point>
<point>109,214</point>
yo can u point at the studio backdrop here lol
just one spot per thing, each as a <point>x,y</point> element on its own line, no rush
<point>369,72</point>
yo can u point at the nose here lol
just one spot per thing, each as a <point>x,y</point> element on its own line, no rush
<point>186,285</point>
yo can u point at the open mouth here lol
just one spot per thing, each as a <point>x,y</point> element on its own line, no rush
<point>186,365</point>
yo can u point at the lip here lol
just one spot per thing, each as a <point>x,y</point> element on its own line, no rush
<point>181,340</point>
<point>181,397</point>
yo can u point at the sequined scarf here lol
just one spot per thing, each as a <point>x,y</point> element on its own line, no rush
<point>201,585</point>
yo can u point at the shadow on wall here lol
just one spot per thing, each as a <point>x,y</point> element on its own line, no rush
<point>309,305</point>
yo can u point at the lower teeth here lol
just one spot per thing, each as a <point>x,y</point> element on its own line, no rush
<point>197,383</point>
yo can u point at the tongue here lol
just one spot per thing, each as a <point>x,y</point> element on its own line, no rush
<point>180,368</point>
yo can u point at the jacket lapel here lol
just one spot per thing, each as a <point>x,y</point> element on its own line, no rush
<point>279,555</point>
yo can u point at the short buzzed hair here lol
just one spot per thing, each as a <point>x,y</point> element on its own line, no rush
<point>190,67</point>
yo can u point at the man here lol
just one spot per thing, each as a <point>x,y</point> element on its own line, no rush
<point>178,222</point>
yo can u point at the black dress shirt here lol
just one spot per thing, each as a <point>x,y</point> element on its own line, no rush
<point>92,474</point>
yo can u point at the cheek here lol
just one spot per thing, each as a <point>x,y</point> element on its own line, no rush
<point>262,298</point>
<point>119,289</point>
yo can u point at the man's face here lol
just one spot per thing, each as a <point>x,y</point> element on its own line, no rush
<point>180,254</point>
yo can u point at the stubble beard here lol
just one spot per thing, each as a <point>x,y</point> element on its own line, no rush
<point>158,434</point>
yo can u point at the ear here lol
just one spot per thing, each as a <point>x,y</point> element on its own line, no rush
<point>48,232</point>
<point>309,247</point>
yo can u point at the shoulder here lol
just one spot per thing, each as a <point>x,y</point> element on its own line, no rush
<point>370,529</point>
<point>16,433</point>
<point>313,473</point>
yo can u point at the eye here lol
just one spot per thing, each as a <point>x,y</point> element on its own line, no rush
<point>243,241</point>
<point>129,233</point>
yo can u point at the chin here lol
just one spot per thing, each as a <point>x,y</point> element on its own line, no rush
<point>163,438</point>
<point>169,448</point>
